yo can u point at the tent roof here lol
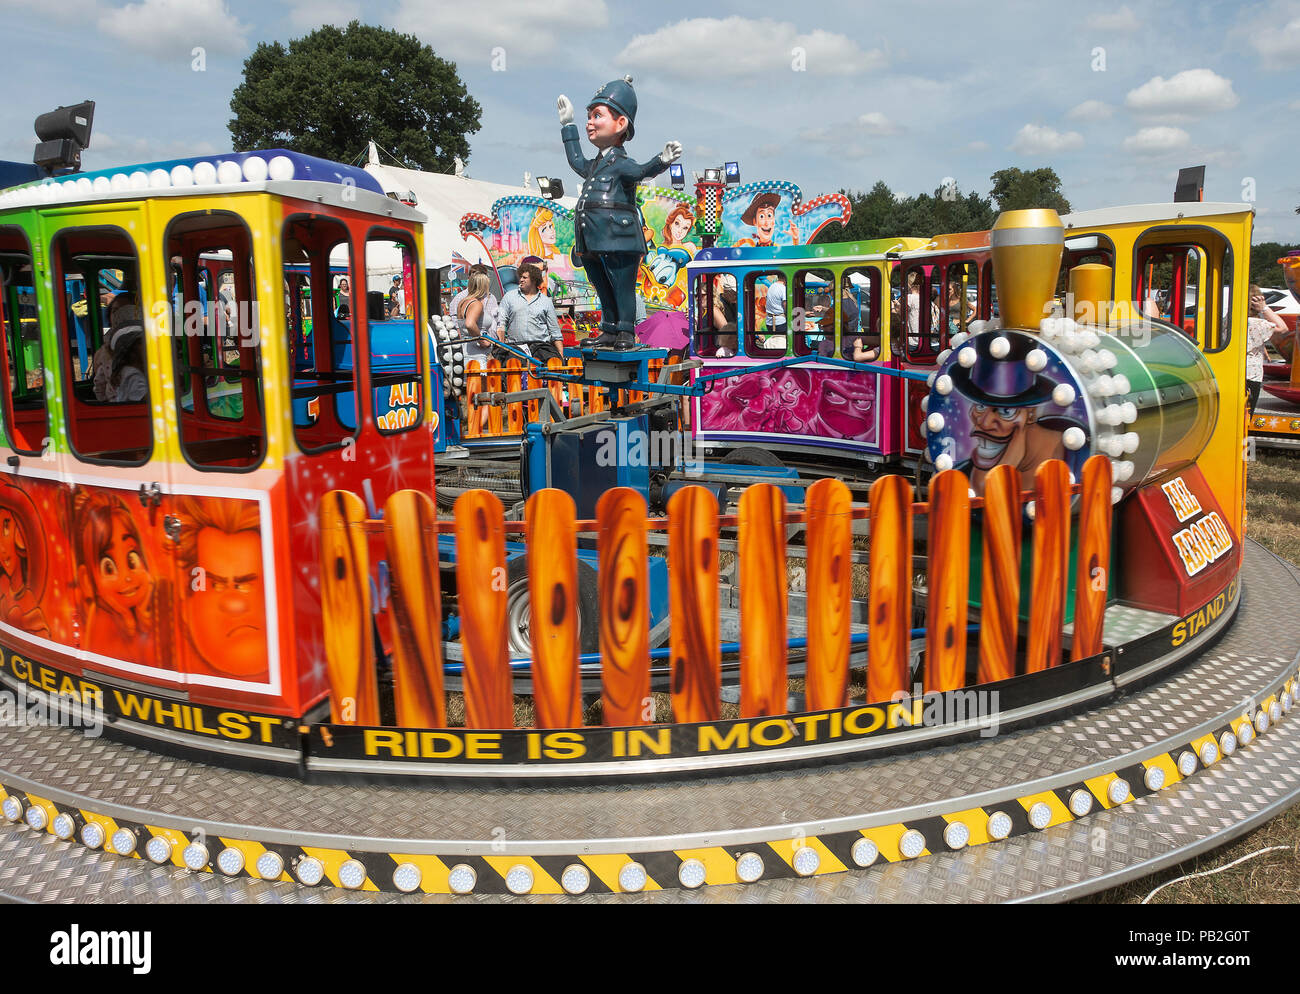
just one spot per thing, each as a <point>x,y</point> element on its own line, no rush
<point>444,199</point>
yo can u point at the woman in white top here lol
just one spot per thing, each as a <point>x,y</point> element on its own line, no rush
<point>469,322</point>
<point>1262,326</point>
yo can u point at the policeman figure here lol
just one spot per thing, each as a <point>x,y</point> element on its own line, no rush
<point>609,243</point>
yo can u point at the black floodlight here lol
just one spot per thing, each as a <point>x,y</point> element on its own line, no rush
<point>733,173</point>
<point>552,189</point>
<point>64,134</point>
<point>677,176</point>
<point>1191,185</point>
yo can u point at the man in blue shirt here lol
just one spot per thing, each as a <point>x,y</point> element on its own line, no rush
<point>528,317</point>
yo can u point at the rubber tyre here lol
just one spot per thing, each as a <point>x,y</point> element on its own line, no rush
<point>588,605</point>
<point>752,455</point>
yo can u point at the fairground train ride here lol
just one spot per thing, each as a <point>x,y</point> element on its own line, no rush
<point>248,564</point>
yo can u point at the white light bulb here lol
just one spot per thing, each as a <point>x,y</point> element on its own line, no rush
<point>966,357</point>
<point>1063,395</point>
<point>139,180</point>
<point>958,340</point>
<point>159,179</point>
<point>575,879</point>
<point>1128,412</point>
<point>1073,438</point>
<point>1121,383</point>
<point>943,356</point>
<point>935,422</point>
<point>1000,347</point>
<point>205,173</point>
<point>943,385</point>
<point>999,826</point>
<point>255,169</point>
<point>1036,360</point>
<point>865,852</point>
<point>182,175</point>
<point>280,168</point>
<point>1080,802</point>
<point>943,462</point>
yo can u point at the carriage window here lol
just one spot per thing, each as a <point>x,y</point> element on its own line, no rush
<point>321,308</point>
<point>916,313</point>
<point>103,345</point>
<point>25,416</point>
<point>216,343</point>
<point>766,310</point>
<point>814,308</point>
<point>960,294</point>
<point>1187,283</point>
<point>1083,250</point>
<point>392,315</point>
<point>860,317</point>
<point>988,302</point>
<point>716,315</point>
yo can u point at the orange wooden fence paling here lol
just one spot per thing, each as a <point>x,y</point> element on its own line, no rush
<point>890,596</point>
<point>553,608</point>
<point>556,386</point>
<point>1000,593</point>
<point>473,385</point>
<point>1051,559</point>
<point>481,593</point>
<point>1093,563</point>
<point>948,582</point>
<point>624,607</point>
<point>495,414</point>
<point>763,591</point>
<point>415,614</point>
<point>693,604</point>
<point>829,593</point>
<point>345,610</point>
<point>514,382</point>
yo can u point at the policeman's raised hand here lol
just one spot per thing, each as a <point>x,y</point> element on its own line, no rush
<point>565,108</point>
<point>672,152</point>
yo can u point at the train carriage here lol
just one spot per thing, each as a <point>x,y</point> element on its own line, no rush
<point>161,548</point>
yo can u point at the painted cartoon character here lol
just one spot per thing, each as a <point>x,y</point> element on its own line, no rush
<point>665,263</point>
<point>113,579</point>
<point>541,235</point>
<point>845,409</point>
<point>1012,421</point>
<point>761,214</point>
<point>224,611</point>
<point>22,562</point>
<point>608,242</point>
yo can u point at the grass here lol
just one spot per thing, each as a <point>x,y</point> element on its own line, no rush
<point>1272,520</point>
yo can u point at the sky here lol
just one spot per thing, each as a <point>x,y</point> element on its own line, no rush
<point>1114,96</point>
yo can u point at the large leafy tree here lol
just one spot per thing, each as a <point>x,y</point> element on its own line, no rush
<point>1018,189</point>
<point>879,214</point>
<point>331,91</point>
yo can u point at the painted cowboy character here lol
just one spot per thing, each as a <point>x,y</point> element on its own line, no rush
<point>608,238</point>
<point>761,214</point>
<point>1013,420</point>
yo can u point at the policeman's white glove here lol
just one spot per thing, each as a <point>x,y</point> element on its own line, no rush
<point>565,108</point>
<point>671,153</point>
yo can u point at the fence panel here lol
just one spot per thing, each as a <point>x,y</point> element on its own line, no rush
<point>345,610</point>
<point>693,605</point>
<point>624,607</point>
<point>890,594</point>
<point>1000,591</point>
<point>1051,559</point>
<point>410,533</point>
<point>763,595</point>
<point>481,593</point>
<point>553,612</point>
<point>474,384</point>
<point>948,583</point>
<point>1093,564</point>
<point>829,593</point>
<point>495,414</point>
<point>514,382</point>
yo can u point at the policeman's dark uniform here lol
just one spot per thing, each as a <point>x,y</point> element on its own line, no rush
<point>609,243</point>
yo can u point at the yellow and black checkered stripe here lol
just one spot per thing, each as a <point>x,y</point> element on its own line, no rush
<point>812,855</point>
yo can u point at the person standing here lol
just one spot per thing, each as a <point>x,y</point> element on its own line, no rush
<point>490,303</point>
<point>528,317</point>
<point>1263,325</point>
<point>774,308</point>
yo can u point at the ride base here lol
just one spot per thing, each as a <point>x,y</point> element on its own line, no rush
<point>795,822</point>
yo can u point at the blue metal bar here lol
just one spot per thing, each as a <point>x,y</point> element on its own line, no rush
<point>665,652</point>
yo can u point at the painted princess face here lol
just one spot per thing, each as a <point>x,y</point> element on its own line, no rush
<point>121,576</point>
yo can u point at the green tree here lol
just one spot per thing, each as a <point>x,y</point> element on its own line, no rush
<point>879,214</point>
<point>1264,267</point>
<point>1015,189</point>
<point>331,91</point>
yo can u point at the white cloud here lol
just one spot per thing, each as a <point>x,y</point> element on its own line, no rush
<point>1280,48</point>
<point>836,142</point>
<point>978,146</point>
<point>876,123</point>
<point>523,29</point>
<point>171,29</point>
<point>1090,110</point>
<point>743,46</point>
<point>307,15</point>
<point>1191,93</point>
<point>1122,21</point>
<point>1035,139</point>
<point>1157,141</point>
